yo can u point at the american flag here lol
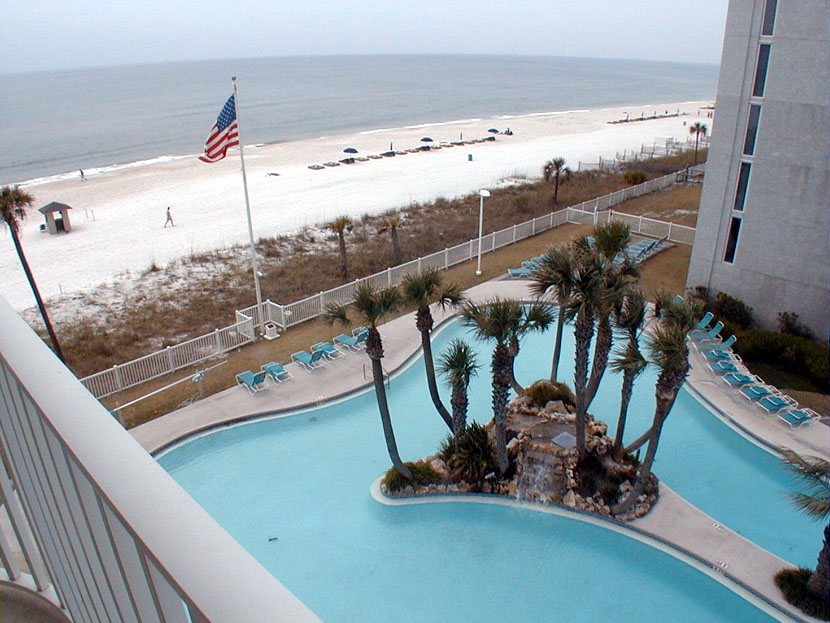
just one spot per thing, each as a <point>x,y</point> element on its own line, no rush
<point>223,134</point>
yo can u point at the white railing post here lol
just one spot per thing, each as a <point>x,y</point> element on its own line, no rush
<point>514,234</point>
<point>446,258</point>
<point>218,337</point>
<point>170,358</point>
<point>322,306</point>
<point>640,224</point>
<point>419,264</point>
<point>389,277</point>
<point>669,234</point>
<point>118,382</point>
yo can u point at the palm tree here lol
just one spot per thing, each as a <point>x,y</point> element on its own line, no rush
<point>458,363</point>
<point>504,321</point>
<point>698,129</point>
<point>553,171</point>
<point>372,306</point>
<point>421,290</point>
<point>814,473</point>
<point>391,223</point>
<point>340,226</point>
<point>13,204</point>
<point>671,354</point>
<point>554,272</point>
<point>630,360</point>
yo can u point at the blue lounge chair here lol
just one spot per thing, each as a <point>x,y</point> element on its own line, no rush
<point>723,367</point>
<point>716,346</point>
<point>308,360</point>
<point>721,355</point>
<point>519,273</point>
<point>757,392</point>
<point>349,341</point>
<point>740,380</point>
<point>328,349</point>
<point>797,418</point>
<point>705,336</point>
<point>276,372</point>
<point>360,330</point>
<point>770,404</point>
<point>703,322</point>
<point>250,381</point>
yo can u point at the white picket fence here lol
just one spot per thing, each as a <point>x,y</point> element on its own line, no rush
<point>243,331</point>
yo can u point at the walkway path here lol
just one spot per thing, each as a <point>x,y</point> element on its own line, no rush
<point>724,552</point>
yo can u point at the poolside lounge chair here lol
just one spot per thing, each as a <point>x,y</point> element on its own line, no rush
<point>308,360</point>
<point>796,418</point>
<point>721,355</point>
<point>740,379</point>
<point>276,372</point>
<point>328,349</point>
<point>250,381</point>
<point>770,404</point>
<point>358,330</point>
<point>351,342</point>
<point>718,346</point>
<point>705,336</point>
<point>757,392</point>
<point>519,273</point>
<point>703,322</point>
<point>724,367</point>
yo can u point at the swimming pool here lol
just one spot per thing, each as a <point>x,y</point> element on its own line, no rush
<point>294,492</point>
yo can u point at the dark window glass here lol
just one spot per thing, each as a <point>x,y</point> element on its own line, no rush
<point>732,241</point>
<point>752,129</point>
<point>743,184</point>
<point>769,17</point>
<point>761,70</point>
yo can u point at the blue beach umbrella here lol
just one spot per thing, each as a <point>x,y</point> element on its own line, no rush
<point>426,139</point>
<point>493,131</point>
<point>350,150</point>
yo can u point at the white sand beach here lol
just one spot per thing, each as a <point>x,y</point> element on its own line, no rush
<point>207,202</point>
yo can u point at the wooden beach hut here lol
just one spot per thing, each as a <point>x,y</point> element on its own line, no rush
<point>57,217</point>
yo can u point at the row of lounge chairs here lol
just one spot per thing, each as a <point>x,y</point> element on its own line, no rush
<point>255,381</point>
<point>724,362</point>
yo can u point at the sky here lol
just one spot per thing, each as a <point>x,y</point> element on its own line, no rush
<point>39,35</point>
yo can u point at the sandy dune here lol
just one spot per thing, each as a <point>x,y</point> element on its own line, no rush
<point>208,205</point>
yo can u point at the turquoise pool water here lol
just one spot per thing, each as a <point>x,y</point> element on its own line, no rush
<point>294,492</point>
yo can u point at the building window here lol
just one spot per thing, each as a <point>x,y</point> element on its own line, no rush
<point>752,129</point>
<point>732,240</point>
<point>769,17</point>
<point>761,70</point>
<point>743,185</point>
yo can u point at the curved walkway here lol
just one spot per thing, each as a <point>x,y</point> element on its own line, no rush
<point>722,552</point>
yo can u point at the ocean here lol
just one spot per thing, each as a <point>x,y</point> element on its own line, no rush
<point>54,123</point>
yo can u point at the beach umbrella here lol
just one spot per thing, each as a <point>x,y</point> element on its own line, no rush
<point>426,139</point>
<point>350,150</point>
<point>493,131</point>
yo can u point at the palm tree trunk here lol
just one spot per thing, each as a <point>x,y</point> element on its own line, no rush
<point>583,331</point>
<point>396,245</point>
<point>643,472</point>
<point>501,387</point>
<point>386,420</point>
<point>557,348</point>
<point>426,344</point>
<point>344,268</point>
<point>638,442</point>
<point>601,350</point>
<point>819,582</point>
<point>625,399</point>
<point>697,137</point>
<point>459,403</point>
<point>556,187</point>
<point>513,352</point>
<point>22,256</point>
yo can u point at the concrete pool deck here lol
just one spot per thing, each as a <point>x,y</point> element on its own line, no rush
<point>723,552</point>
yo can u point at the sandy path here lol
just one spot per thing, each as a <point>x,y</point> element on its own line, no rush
<point>208,205</point>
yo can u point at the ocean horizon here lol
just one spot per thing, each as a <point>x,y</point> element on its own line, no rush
<point>104,118</point>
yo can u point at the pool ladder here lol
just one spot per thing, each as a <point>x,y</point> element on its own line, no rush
<point>386,378</point>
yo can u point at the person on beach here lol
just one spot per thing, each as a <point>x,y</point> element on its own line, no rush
<point>83,177</point>
<point>169,218</point>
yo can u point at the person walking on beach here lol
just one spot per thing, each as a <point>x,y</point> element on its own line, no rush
<point>83,177</point>
<point>169,218</point>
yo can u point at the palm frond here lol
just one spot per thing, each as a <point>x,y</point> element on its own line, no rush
<point>336,312</point>
<point>458,362</point>
<point>13,205</point>
<point>629,359</point>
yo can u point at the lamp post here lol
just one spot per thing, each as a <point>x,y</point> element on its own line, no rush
<point>482,194</point>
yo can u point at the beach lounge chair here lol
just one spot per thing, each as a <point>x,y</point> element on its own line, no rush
<point>328,349</point>
<point>723,367</point>
<point>250,381</point>
<point>796,418</point>
<point>308,360</point>
<point>740,379</point>
<point>349,341</point>
<point>703,322</point>
<point>706,336</point>
<point>757,392</point>
<point>358,330</point>
<point>771,404</point>
<point>716,346</point>
<point>276,372</point>
<point>519,273</point>
<point>721,355</point>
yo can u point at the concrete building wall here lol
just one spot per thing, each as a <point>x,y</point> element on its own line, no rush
<point>782,258</point>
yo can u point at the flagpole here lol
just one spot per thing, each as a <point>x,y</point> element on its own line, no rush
<point>258,319</point>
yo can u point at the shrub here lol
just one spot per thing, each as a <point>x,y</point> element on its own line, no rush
<point>543,391</point>
<point>793,583</point>
<point>798,353</point>
<point>471,457</point>
<point>634,177</point>
<point>422,473</point>
<point>790,324</point>
<point>523,204</point>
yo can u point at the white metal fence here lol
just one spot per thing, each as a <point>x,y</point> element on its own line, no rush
<point>589,212</point>
<point>104,531</point>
